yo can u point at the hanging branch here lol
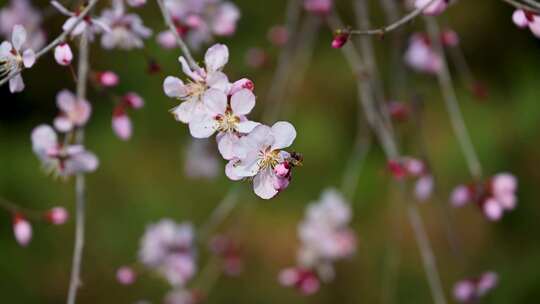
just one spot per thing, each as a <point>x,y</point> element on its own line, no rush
<point>80,187</point>
<point>390,148</point>
<point>60,39</point>
<point>452,104</point>
<point>183,46</point>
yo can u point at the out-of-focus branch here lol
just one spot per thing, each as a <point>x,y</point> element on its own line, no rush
<point>393,26</point>
<point>281,75</point>
<point>451,102</point>
<point>61,38</point>
<point>183,46</point>
<point>390,148</point>
<point>80,186</point>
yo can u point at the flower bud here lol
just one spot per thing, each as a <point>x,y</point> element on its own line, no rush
<point>282,169</point>
<point>126,275</point>
<point>107,79</point>
<point>133,100</point>
<point>57,216</point>
<point>460,196</point>
<point>449,38</point>
<point>121,123</point>
<point>492,210</point>
<point>243,83</point>
<point>278,35</point>
<point>396,169</point>
<point>63,54</point>
<point>340,38</point>
<point>22,230</point>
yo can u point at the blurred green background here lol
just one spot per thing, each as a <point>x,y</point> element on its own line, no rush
<point>143,180</point>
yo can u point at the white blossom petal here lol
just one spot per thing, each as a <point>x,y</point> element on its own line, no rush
<point>16,84</point>
<point>216,57</point>
<point>242,102</point>
<point>29,58</point>
<point>263,184</point>
<point>215,101</point>
<point>284,135</point>
<point>202,127</point>
<point>174,87</point>
<point>18,37</point>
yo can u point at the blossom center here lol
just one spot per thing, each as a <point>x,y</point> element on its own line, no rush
<point>268,158</point>
<point>196,89</point>
<point>227,122</point>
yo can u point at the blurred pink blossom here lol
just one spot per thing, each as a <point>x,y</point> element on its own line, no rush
<point>22,230</point>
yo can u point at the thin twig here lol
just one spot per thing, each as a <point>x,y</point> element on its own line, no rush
<point>391,27</point>
<point>80,191</point>
<point>11,207</point>
<point>281,75</point>
<point>183,46</point>
<point>61,38</point>
<point>452,104</point>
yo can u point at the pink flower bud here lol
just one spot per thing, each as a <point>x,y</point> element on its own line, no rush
<point>487,282</point>
<point>281,183</point>
<point>63,54</point>
<point>460,196</point>
<point>414,166</point>
<point>321,7</point>
<point>107,79</point>
<point>126,275</point>
<point>449,38</point>
<point>282,169</point>
<point>256,57</point>
<point>340,38</point>
<point>396,169</point>
<point>492,210</point>
<point>166,39</point>
<point>57,216</point>
<point>243,83</point>
<point>288,277</point>
<point>504,183</point>
<point>278,35</point>
<point>464,291</point>
<point>121,123</point>
<point>22,230</point>
<point>399,111</point>
<point>133,100</point>
<point>423,187</point>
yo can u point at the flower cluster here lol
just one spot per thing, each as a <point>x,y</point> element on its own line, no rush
<point>168,248</point>
<point>325,238</point>
<point>89,26</point>
<point>408,167</point>
<point>13,58</point>
<point>524,19</point>
<point>197,21</point>
<point>60,157</point>
<point>472,289</point>
<point>210,104</point>
<point>494,197</point>
<point>421,56</point>
<point>21,12</point>
<point>127,31</point>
